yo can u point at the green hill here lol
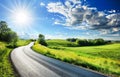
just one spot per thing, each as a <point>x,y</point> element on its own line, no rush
<point>60,43</point>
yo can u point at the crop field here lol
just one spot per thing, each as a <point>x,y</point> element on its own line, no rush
<point>104,58</point>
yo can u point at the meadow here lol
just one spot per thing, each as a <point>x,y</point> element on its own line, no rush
<point>104,58</point>
<point>22,42</point>
<point>60,43</point>
<point>6,68</point>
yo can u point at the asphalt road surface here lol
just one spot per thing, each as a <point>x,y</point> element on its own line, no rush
<point>31,64</point>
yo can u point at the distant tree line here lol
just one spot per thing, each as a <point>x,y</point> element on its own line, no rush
<point>90,42</point>
<point>72,39</point>
<point>6,34</point>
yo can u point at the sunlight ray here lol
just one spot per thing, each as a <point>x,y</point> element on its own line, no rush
<point>31,3</point>
<point>6,8</point>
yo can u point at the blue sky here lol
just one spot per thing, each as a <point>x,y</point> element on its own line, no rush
<point>63,18</point>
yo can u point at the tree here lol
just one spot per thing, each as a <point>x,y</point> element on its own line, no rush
<point>41,40</point>
<point>82,42</point>
<point>91,42</point>
<point>6,34</point>
<point>13,38</point>
<point>72,39</point>
<point>99,41</point>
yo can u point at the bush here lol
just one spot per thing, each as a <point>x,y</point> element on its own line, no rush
<point>41,40</point>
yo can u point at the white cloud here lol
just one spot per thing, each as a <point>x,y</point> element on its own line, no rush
<point>116,29</point>
<point>75,14</point>
<point>42,4</point>
<point>114,19</point>
<point>112,11</point>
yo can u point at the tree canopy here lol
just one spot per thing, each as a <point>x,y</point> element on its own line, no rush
<point>41,40</point>
<point>6,34</point>
<point>85,42</point>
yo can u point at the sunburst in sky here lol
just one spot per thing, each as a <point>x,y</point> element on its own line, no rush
<point>63,18</point>
<point>19,12</point>
<point>21,17</point>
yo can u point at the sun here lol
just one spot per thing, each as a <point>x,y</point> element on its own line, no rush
<point>20,13</point>
<point>21,16</point>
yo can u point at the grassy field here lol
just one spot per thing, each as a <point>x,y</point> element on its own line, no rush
<point>103,58</point>
<point>111,51</point>
<point>22,42</point>
<point>6,68</point>
<point>60,43</point>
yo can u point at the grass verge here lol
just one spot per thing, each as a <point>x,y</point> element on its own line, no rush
<point>105,65</point>
<point>6,67</point>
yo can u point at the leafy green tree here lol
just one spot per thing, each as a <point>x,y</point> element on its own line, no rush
<point>6,34</point>
<point>99,41</point>
<point>91,42</point>
<point>41,40</point>
<point>72,39</point>
<point>82,42</point>
<point>13,38</point>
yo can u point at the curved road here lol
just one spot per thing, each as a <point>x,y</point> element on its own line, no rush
<point>31,64</point>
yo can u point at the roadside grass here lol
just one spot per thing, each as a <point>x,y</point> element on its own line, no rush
<point>86,57</point>
<point>6,68</point>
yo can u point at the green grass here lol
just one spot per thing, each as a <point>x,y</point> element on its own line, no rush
<point>103,58</point>
<point>60,43</point>
<point>6,68</point>
<point>111,51</point>
<point>22,42</point>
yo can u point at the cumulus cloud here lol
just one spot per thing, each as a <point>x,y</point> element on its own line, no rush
<point>42,4</point>
<point>79,16</point>
<point>112,11</point>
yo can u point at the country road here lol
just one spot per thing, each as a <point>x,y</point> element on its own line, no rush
<point>31,64</point>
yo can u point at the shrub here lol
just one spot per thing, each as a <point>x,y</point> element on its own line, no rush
<point>41,40</point>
